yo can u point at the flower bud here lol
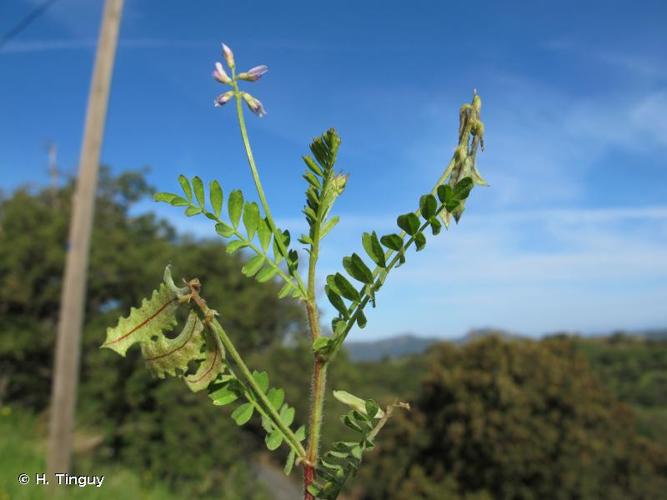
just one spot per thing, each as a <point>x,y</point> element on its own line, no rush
<point>477,102</point>
<point>254,104</point>
<point>223,99</point>
<point>229,55</point>
<point>338,183</point>
<point>220,74</point>
<point>253,74</point>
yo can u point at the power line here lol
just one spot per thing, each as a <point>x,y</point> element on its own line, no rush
<point>25,22</point>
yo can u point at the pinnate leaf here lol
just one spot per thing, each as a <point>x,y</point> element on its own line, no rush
<point>235,207</point>
<point>251,219</point>
<point>420,241</point>
<point>198,187</point>
<point>262,379</point>
<point>191,211</point>
<point>373,248</point>
<point>392,241</point>
<point>336,301</point>
<point>329,225</point>
<point>274,440</point>
<point>224,230</point>
<point>242,414</point>
<point>355,266</point>
<point>185,186</point>
<point>251,267</point>
<point>266,274</point>
<point>223,396</point>
<point>166,197</point>
<point>345,288</point>
<point>235,245</point>
<point>427,206</point>
<point>216,196</point>
<point>276,397</point>
<point>408,223</point>
<point>264,234</point>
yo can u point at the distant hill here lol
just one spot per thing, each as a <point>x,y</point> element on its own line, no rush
<point>392,347</point>
<point>655,334</point>
<point>409,343</point>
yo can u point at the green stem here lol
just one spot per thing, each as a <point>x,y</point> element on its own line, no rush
<point>250,380</point>
<point>247,375</point>
<point>319,375</point>
<point>258,183</point>
<point>319,381</point>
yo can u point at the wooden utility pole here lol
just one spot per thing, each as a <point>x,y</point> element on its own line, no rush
<point>68,342</point>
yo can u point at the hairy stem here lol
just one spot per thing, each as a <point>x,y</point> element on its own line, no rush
<point>319,376</point>
<point>318,381</point>
<point>258,183</point>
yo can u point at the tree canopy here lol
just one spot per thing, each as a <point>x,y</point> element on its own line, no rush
<point>515,419</point>
<point>128,255</point>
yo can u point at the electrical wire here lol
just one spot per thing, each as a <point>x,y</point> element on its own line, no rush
<point>25,22</point>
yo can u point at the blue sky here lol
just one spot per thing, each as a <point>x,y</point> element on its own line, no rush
<point>572,233</point>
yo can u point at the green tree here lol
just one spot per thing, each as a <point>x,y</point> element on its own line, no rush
<point>121,400</point>
<point>515,419</point>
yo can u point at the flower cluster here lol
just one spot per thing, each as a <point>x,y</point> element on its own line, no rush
<point>252,75</point>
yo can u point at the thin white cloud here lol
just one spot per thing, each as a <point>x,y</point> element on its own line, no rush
<point>543,142</point>
<point>635,64</point>
<point>34,46</point>
<point>584,270</point>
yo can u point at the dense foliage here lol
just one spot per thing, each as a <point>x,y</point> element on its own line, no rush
<point>516,419</point>
<point>122,401</point>
<point>634,368</point>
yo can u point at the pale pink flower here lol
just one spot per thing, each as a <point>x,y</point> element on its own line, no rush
<point>220,74</point>
<point>254,104</point>
<point>229,55</point>
<point>253,74</point>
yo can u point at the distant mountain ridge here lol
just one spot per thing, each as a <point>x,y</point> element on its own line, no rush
<point>392,347</point>
<point>408,344</point>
